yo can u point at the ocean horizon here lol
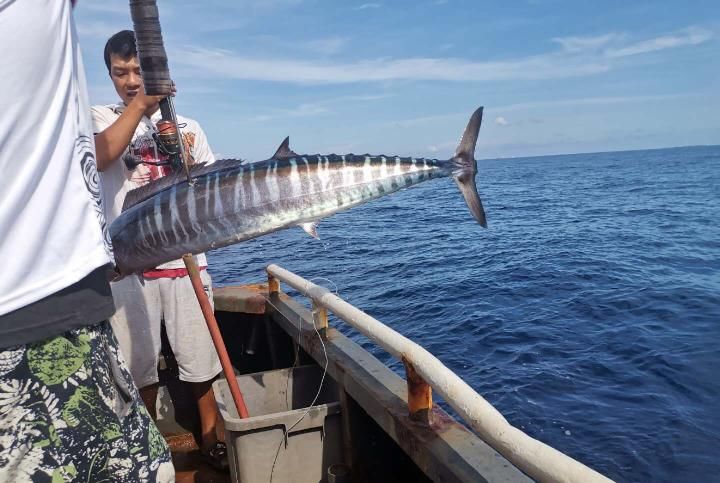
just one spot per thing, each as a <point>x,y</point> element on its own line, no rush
<point>633,150</point>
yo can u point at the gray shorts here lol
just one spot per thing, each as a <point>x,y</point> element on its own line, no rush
<point>141,305</point>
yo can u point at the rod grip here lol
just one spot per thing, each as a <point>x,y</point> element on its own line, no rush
<point>151,50</point>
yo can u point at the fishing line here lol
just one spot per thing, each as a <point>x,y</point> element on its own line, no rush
<point>297,358</point>
<point>335,287</point>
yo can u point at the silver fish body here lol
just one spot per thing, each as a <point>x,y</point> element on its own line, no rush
<point>229,202</point>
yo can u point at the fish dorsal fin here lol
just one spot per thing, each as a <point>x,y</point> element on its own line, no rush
<point>310,228</point>
<point>284,151</point>
<point>149,190</point>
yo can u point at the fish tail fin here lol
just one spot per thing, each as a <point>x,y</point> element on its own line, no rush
<point>465,167</point>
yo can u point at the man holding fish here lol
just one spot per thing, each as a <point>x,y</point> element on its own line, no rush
<point>129,156</point>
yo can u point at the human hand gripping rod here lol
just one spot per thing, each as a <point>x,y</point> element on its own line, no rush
<point>156,77</point>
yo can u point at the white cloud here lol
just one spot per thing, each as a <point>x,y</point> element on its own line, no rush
<point>106,7</point>
<point>587,101</point>
<point>611,44</point>
<point>578,56</point>
<point>219,15</point>
<point>501,121</point>
<point>244,5</point>
<point>366,6</point>
<point>689,36</point>
<point>418,121</point>
<point>580,44</point>
<point>303,110</point>
<point>442,147</point>
<point>219,63</point>
<point>357,98</point>
<point>455,116</point>
<point>283,43</point>
<point>316,108</point>
<point>327,46</point>
<point>99,30</point>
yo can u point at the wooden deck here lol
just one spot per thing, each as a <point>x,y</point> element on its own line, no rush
<point>189,466</point>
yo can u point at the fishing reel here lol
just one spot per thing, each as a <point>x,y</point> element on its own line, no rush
<point>167,140</point>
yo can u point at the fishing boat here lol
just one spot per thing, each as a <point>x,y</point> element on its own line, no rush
<point>321,408</point>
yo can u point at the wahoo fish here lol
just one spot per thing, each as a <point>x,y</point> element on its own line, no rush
<point>230,201</point>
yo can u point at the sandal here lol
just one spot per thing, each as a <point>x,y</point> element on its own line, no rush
<point>216,456</point>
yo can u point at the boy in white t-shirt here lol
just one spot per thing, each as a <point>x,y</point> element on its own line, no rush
<point>127,158</point>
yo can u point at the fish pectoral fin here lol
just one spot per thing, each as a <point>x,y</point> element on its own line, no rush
<point>310,228</point>
<point>284,151</point>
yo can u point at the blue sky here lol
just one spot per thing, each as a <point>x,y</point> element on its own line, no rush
<point>402,77</point>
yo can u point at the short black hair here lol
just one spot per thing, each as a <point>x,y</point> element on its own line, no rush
<point>121,44</point>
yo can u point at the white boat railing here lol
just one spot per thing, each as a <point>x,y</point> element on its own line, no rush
<point>535,458</point>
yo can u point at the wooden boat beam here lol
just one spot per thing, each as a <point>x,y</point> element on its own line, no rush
<point>538,460</point>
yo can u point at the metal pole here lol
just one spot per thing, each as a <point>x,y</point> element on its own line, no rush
<point>181,142</point>
<point>419,394</point>
<point>273,285</point>
<point>194,273</point>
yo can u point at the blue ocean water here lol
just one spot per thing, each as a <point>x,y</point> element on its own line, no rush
<point>588,313</point>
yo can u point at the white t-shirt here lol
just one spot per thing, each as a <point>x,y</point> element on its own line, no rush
<point>51,221</point>
<point>117,179</point>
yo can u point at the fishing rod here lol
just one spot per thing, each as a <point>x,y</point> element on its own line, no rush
<point>157,81</point>
<point>156,78</point>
